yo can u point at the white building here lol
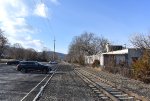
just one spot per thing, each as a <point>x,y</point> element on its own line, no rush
<point>99,56</point>
<point>124,56</point>
<point>90,59</point>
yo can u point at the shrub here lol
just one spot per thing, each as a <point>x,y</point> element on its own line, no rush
<point>142,67</point>
<point>96,63</point>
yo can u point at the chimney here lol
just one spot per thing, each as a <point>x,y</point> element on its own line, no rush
<point>107,47</point>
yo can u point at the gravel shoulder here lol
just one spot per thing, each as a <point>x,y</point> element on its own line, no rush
<point>67,86</point>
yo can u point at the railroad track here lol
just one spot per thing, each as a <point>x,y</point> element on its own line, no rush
<point>103,88</point>
<point>36,92</point>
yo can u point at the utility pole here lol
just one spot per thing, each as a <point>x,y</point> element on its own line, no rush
<point>54,50</point>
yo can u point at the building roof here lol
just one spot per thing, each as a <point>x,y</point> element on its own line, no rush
<point>124,51</point>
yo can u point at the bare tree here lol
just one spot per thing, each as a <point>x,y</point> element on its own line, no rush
<point>18,51</point>
<point>85,44</point>
<point>3,42</point>
<point>31,54</point>
<point>44,56</point>
<point>141,41</point>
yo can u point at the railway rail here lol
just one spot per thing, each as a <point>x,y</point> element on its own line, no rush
<point>36,92</point>
<point>103,88</point>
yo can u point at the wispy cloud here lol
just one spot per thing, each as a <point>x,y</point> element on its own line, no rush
<point>13,21</point>
<point>41,10</point>
<point>28,42</point>
<point>56,2</point>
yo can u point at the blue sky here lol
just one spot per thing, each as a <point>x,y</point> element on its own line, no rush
<point>34,23</point>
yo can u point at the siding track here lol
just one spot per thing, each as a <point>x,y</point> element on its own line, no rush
<point>36,92</point>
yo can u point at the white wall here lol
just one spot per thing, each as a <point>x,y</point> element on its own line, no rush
<point>102,60</point>
<point>90,59</point>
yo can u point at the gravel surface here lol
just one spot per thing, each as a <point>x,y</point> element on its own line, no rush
<point>133,85</point>
<point>67,86</point>
<point>15,85</point>
<point>64,86</point>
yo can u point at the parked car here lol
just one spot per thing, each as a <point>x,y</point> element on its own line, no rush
<point>26,66</point>
<point>53,62</point>
<point>14,62</point>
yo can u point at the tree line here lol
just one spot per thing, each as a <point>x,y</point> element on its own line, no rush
<point>16,51</point>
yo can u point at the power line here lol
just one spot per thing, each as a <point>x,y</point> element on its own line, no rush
<point>47,21</point>
<point>49,25</point>
<point>47,18</point>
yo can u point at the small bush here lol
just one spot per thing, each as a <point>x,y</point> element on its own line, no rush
<point>96,63</point>
<point>142,68</point>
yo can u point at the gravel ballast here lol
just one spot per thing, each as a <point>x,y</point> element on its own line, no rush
<point>135,86</point>
<point>67,86</point>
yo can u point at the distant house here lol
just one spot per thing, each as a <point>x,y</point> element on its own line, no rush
<point>115,55</point>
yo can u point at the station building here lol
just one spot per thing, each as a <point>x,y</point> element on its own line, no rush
<point>115,55</point>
